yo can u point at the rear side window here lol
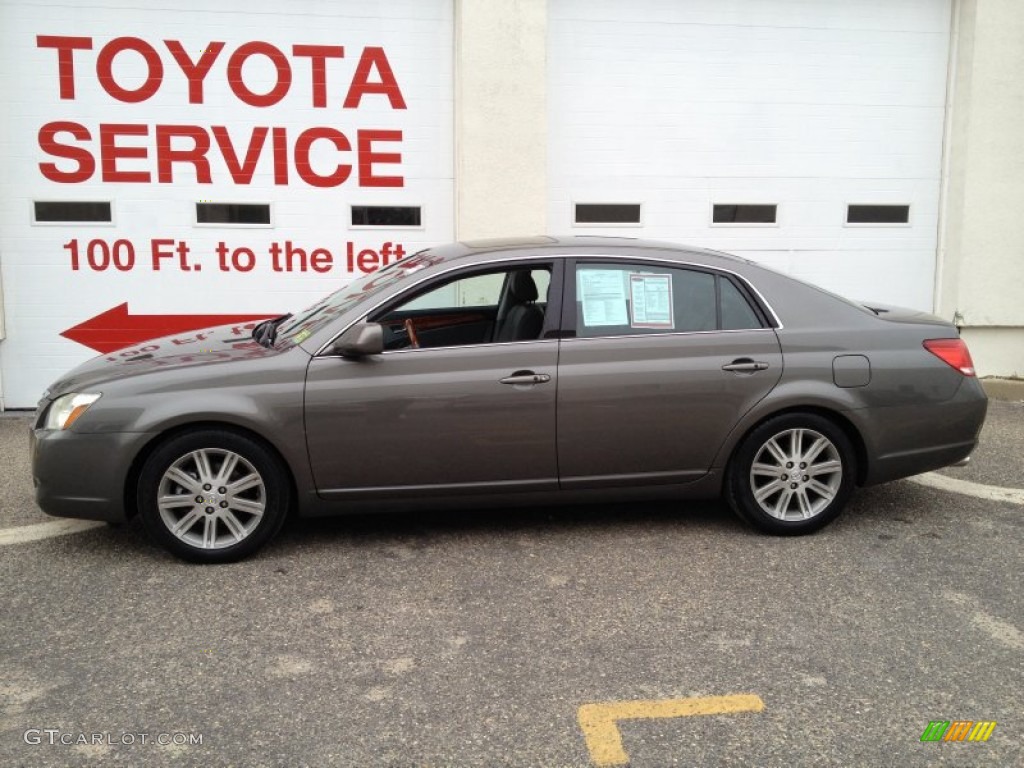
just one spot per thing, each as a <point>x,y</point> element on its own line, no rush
<point>628,299</point>
<point>614,300</point>
<point>737,313</point>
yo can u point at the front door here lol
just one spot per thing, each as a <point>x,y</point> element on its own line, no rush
<point>446,409</point>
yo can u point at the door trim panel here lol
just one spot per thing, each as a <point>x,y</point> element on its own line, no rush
<point>635,478</point>
<point>453,489</point>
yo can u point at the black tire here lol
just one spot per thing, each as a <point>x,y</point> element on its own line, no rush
<point>221,521</point>
<point>796,497</point>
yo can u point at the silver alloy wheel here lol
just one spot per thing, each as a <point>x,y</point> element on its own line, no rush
<point>211,498</point>
<point>796,474</point>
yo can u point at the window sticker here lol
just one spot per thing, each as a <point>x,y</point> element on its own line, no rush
<point>603,295</point>
<point>651,301</point>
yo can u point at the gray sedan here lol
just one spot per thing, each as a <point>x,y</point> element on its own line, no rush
<point>511,373</point>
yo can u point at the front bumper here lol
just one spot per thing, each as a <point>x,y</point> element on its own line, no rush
<point>82,475</point>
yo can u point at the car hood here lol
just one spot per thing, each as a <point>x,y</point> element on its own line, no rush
<point>227,344</point>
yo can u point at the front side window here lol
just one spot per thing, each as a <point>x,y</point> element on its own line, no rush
<point>310,320</point>
<point>481,307</point>
<point>628,299</point>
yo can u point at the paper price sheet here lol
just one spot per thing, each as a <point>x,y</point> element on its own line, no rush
<point>613,297</point>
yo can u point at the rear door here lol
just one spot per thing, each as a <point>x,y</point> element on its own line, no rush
<point>658,365</point>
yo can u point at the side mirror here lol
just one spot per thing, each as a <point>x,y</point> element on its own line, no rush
<point>360,340</point>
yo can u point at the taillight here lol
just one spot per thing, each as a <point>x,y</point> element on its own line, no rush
<point>952,352</point>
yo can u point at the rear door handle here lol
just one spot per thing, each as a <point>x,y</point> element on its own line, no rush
<point>745,365</point>
<point>525,377</point>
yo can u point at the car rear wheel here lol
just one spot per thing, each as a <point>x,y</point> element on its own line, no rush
<point>792,475</point>
<point>212,496</point>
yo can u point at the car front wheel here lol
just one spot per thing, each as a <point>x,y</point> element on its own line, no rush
<point>792,475</point>
<point>212,496</point>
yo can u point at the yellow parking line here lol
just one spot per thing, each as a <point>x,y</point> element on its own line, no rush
<point>600,721</point>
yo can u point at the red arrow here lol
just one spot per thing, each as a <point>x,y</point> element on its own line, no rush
<point>116,329</point>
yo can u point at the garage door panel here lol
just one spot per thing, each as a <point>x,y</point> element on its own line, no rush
<point>916,14</point>
<point>308,162</point>
<point>783,141</point>
<point>810,106</point>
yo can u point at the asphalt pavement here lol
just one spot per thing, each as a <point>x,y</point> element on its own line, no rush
<point>473,639</point>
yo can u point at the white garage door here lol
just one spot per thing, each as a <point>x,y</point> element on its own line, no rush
<point>814,127</point>
<point>197,163</point>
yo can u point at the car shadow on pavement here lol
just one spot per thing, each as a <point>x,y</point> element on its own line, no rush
<point>872,511</point>
<point>580,519</point>
<point>438,527</point>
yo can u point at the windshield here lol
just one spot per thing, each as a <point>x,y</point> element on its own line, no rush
<point>302,325</point>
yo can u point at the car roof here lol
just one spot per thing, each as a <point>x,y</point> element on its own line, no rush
<point>592,244</point>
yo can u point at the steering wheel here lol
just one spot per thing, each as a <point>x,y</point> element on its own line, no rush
<point>410,329</point>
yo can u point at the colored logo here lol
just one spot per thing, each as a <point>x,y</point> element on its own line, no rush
<point>958,730</point>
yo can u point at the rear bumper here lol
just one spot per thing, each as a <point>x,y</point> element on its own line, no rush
<point>895,466</point>
<point>82,475</point>
<point>910,439</point>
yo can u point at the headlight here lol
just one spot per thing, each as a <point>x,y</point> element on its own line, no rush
<point>67,409</point>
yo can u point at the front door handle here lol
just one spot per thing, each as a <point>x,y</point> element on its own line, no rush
<point>745,365</point>
<point>525,377</point>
